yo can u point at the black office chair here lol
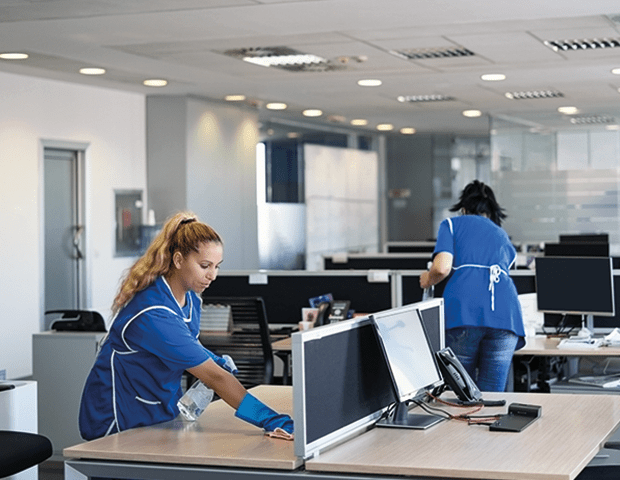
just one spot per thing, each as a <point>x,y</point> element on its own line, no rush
<point>20,450</point>
<point>249,343</point>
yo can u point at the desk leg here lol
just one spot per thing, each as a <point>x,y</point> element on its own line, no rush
<point>72,474</point>
<point>286,374</point>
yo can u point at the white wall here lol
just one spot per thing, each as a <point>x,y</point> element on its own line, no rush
<point>221,176</point>
<point>112,123</point>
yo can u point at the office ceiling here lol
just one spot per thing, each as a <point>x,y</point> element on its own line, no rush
<point>192,44</point>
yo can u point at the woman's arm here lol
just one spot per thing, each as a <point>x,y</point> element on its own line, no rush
<point>220,381</point>
<point>440,269</point>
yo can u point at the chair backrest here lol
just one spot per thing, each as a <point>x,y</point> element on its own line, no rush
<point>249,342</point>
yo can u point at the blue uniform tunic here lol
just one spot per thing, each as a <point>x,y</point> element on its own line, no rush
<point>480,292</point>
<point>136,378</point>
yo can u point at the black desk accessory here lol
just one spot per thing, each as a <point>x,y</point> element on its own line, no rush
<point>6,386</point>
<point>520,416</point>
<point>78,321</point>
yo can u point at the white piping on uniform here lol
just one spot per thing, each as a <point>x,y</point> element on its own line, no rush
<point>129,352</point>
<point>494,277</point>
<point>149,402</point>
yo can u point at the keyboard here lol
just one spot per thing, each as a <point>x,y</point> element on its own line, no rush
<point>580,343</point>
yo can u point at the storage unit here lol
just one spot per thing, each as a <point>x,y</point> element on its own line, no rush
<point>61,363</point>
<point>18,412</point>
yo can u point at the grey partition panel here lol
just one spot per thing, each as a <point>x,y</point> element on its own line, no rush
<point>286,292</point>
<point>378,261</point>
<point>341,384</point>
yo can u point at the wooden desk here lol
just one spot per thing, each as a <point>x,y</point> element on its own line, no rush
<point>544,347</point>
<point>555,447</point>
<point>218,438</point>
<point>541,345</point>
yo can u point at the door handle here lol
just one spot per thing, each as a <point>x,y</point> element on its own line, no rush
<point>76,242</point>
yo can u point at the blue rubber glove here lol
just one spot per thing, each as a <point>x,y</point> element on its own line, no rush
<point>225,362</point>
<point>260,415</point>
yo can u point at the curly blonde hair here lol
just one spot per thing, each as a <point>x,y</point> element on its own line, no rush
<point>182,233</point>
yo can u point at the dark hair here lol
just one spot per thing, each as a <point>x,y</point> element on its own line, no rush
<point>478,199</point>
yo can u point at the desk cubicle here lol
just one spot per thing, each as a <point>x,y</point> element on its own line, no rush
<point>286,292</point>
<point>378,261</point>
<point>340,390</point>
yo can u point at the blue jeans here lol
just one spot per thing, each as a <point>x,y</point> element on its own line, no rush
<point>486,354</point>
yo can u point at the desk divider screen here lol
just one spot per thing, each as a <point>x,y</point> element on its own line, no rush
<point>286,292</point>
<point>341,384</point>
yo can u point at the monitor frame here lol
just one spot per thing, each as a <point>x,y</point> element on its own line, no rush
<point>576,261</point>
<point>412,313</point>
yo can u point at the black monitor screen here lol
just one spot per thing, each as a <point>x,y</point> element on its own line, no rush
<point>575,285</point>
<point>408,351</point>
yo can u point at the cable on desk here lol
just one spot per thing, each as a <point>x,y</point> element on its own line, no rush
<point>467,416</point>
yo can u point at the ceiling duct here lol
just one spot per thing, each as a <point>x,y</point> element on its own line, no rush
<point>593,120</point>
<point>433,53</point>
<point>424,98</point>
<point>583,44</point>
<point>534,95</point>
<point>285,58</point>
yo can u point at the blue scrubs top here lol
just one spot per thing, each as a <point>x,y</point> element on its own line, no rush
<point>136,378</point>
<point>480,292</point>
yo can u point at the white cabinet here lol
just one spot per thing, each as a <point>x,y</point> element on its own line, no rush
<point>18,412</point>
<point>61,363</point>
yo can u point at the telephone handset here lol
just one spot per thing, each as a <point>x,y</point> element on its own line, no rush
<point>331,312</point>
<point>457,378</point>
<point>323,314</point>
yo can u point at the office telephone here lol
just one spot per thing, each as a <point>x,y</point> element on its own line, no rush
<point>456,377</point>
<point>331,312</point>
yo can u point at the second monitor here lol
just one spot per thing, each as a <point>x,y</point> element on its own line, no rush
<point>411,363</point>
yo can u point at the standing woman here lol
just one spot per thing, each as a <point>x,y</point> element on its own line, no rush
<point>136,378</point>
<point>484,323</point>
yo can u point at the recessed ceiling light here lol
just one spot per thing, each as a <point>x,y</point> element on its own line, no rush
<point>385,127</point>
<point>13,56</point>
<point>155,82</point>
<point>493,77</point>
<point>369,82</point>
<point>312,112</point>
<point>276,106</point>
<point>472,113</point>
<point>612,127</point>
<point>359,122</point>
<point>407,130</point>
<point>616,71</point>
<point>293,135</point>
<point>92,71</point>
<point>568,110</point>
<point>234,98</point>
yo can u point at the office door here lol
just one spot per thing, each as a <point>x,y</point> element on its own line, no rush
<point>64,229</point>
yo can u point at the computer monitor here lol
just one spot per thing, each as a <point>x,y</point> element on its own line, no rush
<point>575,286</point>
<point>411,360</point>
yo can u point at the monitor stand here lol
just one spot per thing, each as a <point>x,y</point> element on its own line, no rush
<point>401,418</point>
<point>586,331</point>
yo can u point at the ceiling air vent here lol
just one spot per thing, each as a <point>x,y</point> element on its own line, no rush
<point>584,44</point>
<point>593,120</point>
<point>431,53</point>
<point>424,98</point>
<point>534,95</point>
<point>284,58</point>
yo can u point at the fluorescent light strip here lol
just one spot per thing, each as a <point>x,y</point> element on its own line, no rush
<point>275,61</point>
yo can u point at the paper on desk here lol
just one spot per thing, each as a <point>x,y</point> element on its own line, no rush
<point>613,339</point>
